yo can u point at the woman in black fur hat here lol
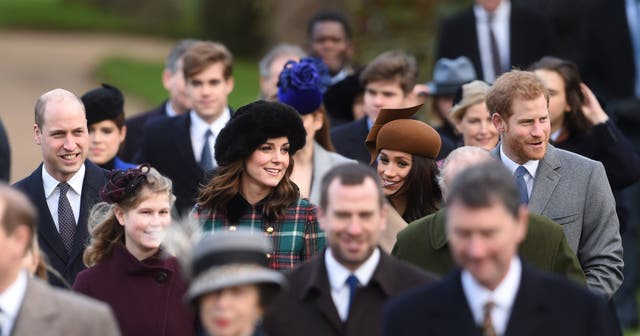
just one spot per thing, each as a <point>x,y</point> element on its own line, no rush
<point>252,188</point>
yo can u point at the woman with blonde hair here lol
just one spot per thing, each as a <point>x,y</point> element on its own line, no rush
<point>471,116</point>
<point>128,268</point>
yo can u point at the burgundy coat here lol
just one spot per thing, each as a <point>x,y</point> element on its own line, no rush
<point>146,296</point>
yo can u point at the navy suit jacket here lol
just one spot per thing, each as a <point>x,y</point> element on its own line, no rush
<point>348,140</point>
<point>135,128</point>
<point>67,264</point>
<point>167,147</point>
<point>545,304</point>
<point>530,38</point>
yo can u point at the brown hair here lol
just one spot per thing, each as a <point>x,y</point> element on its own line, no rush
<point>392,65</point>
<point>225,185</point>
<point>104,228</point>
<point>203,54</point>
<point>575,121</point>
<point>323,135</point>
<point>421,189</point>
<point>17,210</point>
<point>511,85</point>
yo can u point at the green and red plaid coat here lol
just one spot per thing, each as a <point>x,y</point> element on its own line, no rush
<point>296,237</point>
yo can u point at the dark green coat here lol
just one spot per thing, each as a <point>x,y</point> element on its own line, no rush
<point>424,244</point>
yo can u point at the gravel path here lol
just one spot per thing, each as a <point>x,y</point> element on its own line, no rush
<point>35,62</point>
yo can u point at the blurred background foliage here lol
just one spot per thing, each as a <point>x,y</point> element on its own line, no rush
<point>248,27</point>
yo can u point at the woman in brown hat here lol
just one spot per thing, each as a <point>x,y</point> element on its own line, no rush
<point>406,150</point>
<point>471,116</point>
<point>252,186</point>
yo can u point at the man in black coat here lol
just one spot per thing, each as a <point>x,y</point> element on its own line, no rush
<point>341,291</point>
<point>182,147</point>
<point>177,104</point>
<point>65,186</point>
<point>494,292</point>
<point>518,35</point>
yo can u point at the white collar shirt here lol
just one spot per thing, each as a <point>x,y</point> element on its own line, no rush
<point>11,301</point>
<point>531,166</point>
<point>52,193</point>
<point>503,296</point>
<point>338,275</point>
<point>501,32</point>
<point>199,127</point>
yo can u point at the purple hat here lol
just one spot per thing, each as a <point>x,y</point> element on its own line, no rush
<point>302,84</point>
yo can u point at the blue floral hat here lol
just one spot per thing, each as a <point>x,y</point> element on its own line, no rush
<point>302,84</point>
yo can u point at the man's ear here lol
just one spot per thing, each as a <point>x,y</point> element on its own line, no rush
<point>37,135</point>
<point>166,79</point>
<point>499,123</point>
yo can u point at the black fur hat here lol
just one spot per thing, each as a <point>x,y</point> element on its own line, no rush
<point>251,125</point>
<point>103,103</point>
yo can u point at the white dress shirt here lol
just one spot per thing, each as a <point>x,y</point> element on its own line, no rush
<point>503,296</point>
<point>199,127</point>
<point>11,301</point>
<point>52,193</point>
<point>338,275</point>
<point>531,166</point>
<point>169,108</point>
<point>501,32</point>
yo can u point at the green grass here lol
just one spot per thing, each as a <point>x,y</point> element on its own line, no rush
<point>143,79</point>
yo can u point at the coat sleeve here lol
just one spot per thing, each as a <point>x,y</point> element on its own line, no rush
<point>566,262</point>
<point>600,248</point>
<point>314,238</point>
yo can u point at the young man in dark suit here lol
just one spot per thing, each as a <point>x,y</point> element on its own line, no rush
<point>177,104</point>
<point>182,148</point>
<point>341,291</point>
<point>494,292</point>
<point>66,185</point>
<point>387,81</point>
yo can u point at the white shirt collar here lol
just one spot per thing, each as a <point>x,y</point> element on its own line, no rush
<point>338,274</point>
<point>500,14</point>
<point>49,183</point>
<point>531,165</point>
<point>503,296</point>
<point>11,301</point>
<point>200,126</point>
<point>339,76</point>
<point>169,108</point>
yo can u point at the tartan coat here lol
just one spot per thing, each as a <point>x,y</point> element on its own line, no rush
<point>296,237</point>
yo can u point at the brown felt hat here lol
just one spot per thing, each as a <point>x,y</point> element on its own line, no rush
<point>394,129</point>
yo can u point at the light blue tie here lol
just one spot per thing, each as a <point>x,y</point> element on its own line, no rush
<point>522,185</point>
<point>353,284</point>
<point>206,159</point>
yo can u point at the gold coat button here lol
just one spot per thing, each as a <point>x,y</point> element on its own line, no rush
<point>270,229</point>
<point>268,255</point>
<point>232,228</point>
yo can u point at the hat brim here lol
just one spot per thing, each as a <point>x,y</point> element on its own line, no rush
<point>436,89</point>
<point>232,275</point>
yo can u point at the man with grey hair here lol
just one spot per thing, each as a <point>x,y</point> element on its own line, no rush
<point>29,306</point>
<point>66,185</point>
<point>272,64</point>
<point>424,242</point>
<point>177,104</point>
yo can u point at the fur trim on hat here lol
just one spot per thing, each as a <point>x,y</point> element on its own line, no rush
<point>253,124</point>
<point>103,103</point>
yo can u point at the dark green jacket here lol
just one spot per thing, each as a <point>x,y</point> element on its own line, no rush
<point>424,244</point>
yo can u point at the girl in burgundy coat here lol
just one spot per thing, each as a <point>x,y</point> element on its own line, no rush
<point>128,268</point>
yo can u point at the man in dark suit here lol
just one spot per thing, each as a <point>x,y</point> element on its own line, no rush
<point>496,35</point>
<point>177,104</point>
<point>183,147</point>
<point>341,291</point>
<point>387,80</point>
<point>30,306</point>
<point>494,293</point>
<point>424,241</point>
<point>66,185</point>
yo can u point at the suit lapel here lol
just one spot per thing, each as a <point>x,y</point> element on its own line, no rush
<point>545,181</point>
<point>528,312</point>
<point>36,311</point>
<point>453,317</point>
<point>47,232</point>
<point>183,145</point>
<point>318,293</point>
